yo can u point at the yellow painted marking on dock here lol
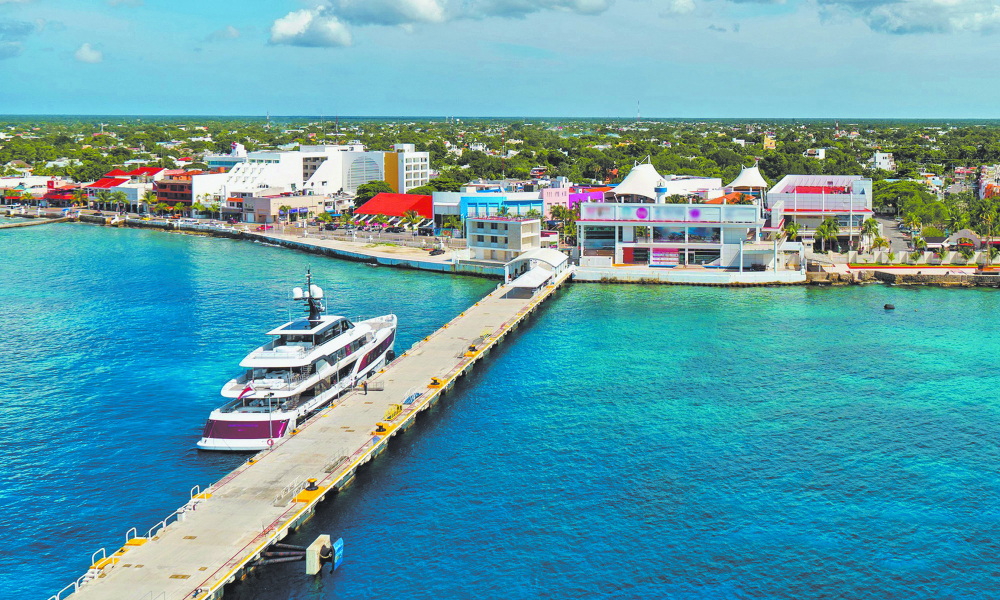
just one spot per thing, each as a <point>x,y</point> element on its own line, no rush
<point>310,495</point>
<point>309,451</point>
<point>136,541</point>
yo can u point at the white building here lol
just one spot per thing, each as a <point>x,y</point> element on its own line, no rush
<point>641,229</point>
<point>807,200</point>
<point>237,155</point>
<point>817,153</point>
<point>883,161</point>
<point>502,239</point>
<point>328,169</point>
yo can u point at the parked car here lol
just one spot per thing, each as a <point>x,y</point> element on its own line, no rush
<point>437,252</point>
<point>426,231</point>
<point>395,230</point>
<point>331,227</point>
<point>265,227</point>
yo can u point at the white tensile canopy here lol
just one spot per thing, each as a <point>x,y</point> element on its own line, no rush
<point>749,177</point>
<point>640,181</point>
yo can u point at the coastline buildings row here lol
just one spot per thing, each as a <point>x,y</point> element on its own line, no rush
<point>648,219</point>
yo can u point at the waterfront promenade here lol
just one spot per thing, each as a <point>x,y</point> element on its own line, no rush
<point>211,541</point>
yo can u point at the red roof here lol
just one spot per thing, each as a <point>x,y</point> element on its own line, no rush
<point>726,199</point>
<point>107,182</point>
<point>116,173</point>
<point>395,205</point>
<point>145,171</point>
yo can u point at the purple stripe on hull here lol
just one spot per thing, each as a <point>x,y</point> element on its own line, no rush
<point>244,430</point>
<point>377,351</point>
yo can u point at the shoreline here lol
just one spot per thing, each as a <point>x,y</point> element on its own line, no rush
<point>405,258</point>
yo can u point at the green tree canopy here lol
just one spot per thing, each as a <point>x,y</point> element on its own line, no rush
<point>368,191</point>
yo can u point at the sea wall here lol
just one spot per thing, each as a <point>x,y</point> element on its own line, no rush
<point>949,280</point>
<point>713,277</point>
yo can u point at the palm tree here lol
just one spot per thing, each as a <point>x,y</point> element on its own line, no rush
<point>503,211</point>
<point>791,229</point>
<point>119,199</point>
<point>103,199</point>
<point>149,199</point>
<point>869,229</point>
<point>533,214</point>
<point>27,198</point>
<point>453,223</point>
<point>411,219</point>
<point>880,243</point>
<point>161,207</point>
<point>284,208</point>
<point>988,224</point>
<point>957,221</point>
<point>198,207</point>
<point>912,222</point>
<point>80,196</point>
<point>827,230</point>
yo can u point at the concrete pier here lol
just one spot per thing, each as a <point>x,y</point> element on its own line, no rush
<point>34,221</point>
<point>215,538</point>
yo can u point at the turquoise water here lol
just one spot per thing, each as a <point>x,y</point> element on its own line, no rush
<point>630,442</point>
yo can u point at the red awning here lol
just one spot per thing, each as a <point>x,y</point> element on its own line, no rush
<point>396,205</point>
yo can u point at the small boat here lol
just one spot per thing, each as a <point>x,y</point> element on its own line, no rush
<point>309,362</point>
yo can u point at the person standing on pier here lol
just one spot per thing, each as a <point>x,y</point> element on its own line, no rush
<point>365,385</point>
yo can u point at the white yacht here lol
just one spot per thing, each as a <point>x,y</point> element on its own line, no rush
<point>310,361</point>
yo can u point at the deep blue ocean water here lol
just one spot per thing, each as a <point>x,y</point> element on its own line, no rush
<point>629,442</point>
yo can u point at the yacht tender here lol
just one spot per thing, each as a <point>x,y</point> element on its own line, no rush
<point>311,361</point>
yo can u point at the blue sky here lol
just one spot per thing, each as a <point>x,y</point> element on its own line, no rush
<point>588,58</point>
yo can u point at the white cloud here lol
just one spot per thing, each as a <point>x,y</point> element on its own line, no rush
<point>915,16</point>
<point>678,7</point>
<point>312,28</point>
<point>226,33</point>
<point>86,53</point>
<point>10,49</point>
<point>328,23</point>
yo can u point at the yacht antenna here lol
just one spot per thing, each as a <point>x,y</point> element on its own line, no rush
<point>314,300</point>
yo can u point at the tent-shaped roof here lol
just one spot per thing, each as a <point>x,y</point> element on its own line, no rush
<point>640,181</point>
<point>749,177</point>
<point>117,173</point>
<point>396,205</point>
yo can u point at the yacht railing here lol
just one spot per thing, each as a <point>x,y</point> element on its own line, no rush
<point>286,351</point>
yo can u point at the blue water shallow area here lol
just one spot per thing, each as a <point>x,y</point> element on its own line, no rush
<point>629,442</point>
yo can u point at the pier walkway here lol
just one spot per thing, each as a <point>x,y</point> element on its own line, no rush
<point>34,221</point>
<point>222,530</point>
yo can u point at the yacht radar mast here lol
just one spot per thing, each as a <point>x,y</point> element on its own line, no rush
<point>313,295</point>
